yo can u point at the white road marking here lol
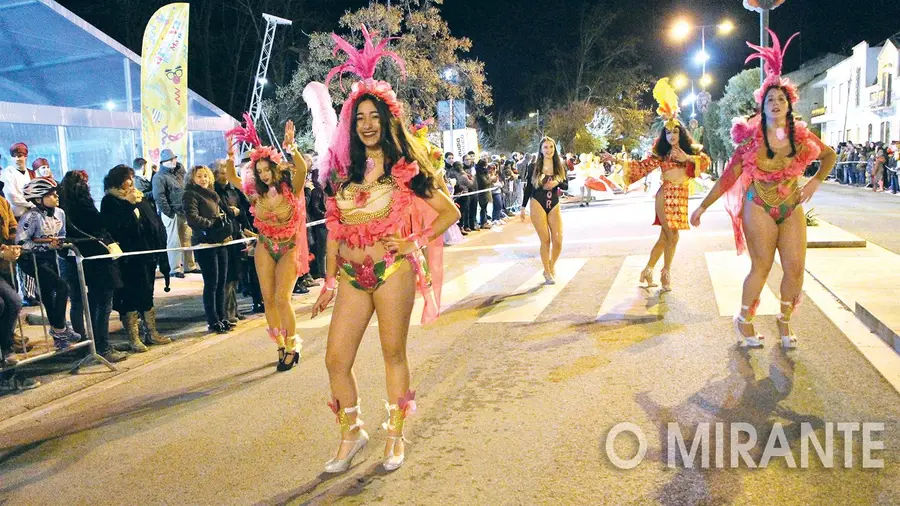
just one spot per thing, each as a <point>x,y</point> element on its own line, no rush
<point>727,272</point>
<point>527,307</point>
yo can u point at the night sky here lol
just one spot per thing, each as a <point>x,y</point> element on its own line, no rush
<point>516,39</point>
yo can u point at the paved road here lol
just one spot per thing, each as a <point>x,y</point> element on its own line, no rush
<point>518,387</point>
<point>872,216</point>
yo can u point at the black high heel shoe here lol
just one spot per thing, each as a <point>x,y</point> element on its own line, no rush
<point>286,364</point>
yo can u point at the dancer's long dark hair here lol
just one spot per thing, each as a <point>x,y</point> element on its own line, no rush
<point>662,148</point>
<point>790,121</point>
<point>559,168</point>
<point>396,142</point>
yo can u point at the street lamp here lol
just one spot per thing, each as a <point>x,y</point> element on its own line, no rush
<point>263,81</point>
<point>449,74</point>
<point>701,57</point>
<point>725,27</point>
<point>681,30</point>
<point>680,82</point>
<point>705,80</point>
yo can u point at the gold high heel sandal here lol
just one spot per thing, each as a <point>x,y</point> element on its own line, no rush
<point>647,277</point>
<point>397,414</point>
<point>789,341</point>
<point>666,279</point>
<point>746,341</point>
<point>337,465</point>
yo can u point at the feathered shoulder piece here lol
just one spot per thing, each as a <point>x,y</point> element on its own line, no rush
<point>743,128</point>
<point>774,60</point>
<point>667,99</point>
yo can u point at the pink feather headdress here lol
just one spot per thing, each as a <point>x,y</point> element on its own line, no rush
<point>248,134</point>
<point>362,63</point>
<point>774,59</point>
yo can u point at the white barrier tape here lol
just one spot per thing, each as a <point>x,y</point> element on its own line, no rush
<point>166,250</point>
<point>473,193</point>
<point>191,248</point>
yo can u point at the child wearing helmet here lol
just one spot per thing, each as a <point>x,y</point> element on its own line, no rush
<point>40,233</point>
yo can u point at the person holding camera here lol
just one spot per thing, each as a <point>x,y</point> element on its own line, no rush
<point>210,220</point>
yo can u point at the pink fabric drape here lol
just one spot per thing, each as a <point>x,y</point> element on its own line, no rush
<point>423,217</point>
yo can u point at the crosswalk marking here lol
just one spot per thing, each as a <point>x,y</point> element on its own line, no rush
<point>627,299</point>
<point>727,272</point>
<point>462,286</point>
<point>526,307</point>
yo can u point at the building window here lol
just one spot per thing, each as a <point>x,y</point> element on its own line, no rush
<point>858,84</point>
<point>869,136</point>
<point>888,78</point>
<point>840,92</point>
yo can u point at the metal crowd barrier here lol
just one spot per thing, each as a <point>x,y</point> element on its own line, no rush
<point>88,339</point>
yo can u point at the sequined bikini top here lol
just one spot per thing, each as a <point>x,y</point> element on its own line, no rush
<point>278,218</point>
<point>363,202</point>
<point>359,214</point>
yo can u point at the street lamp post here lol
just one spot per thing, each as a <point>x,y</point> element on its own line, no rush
<point>763,7</point>
<point>450,76</point>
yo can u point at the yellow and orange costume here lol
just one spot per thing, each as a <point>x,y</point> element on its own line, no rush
<point>675,192</point>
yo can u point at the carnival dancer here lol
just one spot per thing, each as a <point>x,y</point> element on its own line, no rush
<point>679,160</point>
<point>764,193</point>
<point>545,179</point>
<point>278,205</point>
<point>383,207</point>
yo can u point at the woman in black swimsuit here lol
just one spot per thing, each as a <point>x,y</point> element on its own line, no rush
<point>545,180</point>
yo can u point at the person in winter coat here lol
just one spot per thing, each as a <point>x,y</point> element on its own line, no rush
<point>131,222</point>
<point>84,227</point>
<point>483,181</point>
<point>233,199</point>
<point>168,190</point>
<point>210,222</point>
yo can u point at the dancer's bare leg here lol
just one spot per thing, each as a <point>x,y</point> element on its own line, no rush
<point>352,311</point>
<point>285,278</point>
<point>792,251</point>
<point>539,221</point>
<point>762,237</point>
<point>393,305</point>
<point>556,237</point>
<point>265,271</point>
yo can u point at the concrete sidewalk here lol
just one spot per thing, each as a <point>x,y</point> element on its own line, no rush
<point>865,279</point>
<point>180,317</point>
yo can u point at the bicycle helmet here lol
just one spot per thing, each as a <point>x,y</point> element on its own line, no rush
<point>39,188</point>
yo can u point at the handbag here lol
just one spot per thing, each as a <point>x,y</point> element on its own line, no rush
<point>219,232</point>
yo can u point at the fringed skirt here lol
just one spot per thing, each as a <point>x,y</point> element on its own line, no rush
<point>675,205</point>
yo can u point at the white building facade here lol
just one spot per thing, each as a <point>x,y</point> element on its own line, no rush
<point>858,98</point>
